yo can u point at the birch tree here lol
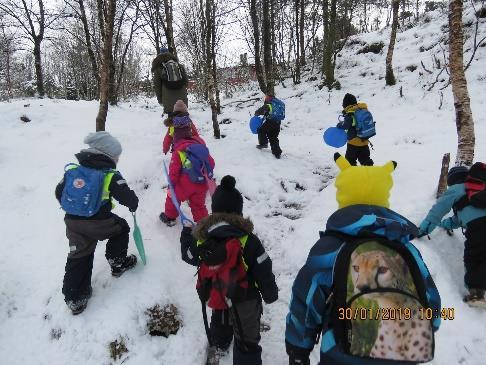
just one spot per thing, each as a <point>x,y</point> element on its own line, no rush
<point>462,104</point>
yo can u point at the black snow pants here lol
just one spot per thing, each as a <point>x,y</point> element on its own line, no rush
<point>83,235</point>
<point>475,254</point>
<point>244,326</point>
<point>269,131</point>
<point>360,153</point>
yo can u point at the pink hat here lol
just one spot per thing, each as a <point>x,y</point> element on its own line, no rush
<point>179,106</point>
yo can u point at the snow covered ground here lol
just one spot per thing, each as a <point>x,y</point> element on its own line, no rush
<point>289,201</point>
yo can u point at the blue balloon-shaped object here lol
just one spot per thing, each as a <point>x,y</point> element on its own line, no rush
<point>335,137</point>
<point>255,123</point>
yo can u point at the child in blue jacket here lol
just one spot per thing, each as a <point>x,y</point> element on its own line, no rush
<point>470,218</point>
<point>362,194</point>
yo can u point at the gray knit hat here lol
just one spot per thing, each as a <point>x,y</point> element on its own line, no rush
<point>103,143</point>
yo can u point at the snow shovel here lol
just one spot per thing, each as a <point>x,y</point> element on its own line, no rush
<point>137,237</point>
<point>184,220</point>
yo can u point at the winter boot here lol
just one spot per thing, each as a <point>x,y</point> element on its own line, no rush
<point>78,306</point>
<point>475,298</point>
<point>214,355</point>
<point>262,146</point>
<point>169,222</point>
<point>251,357</point>
<point>119,266</point>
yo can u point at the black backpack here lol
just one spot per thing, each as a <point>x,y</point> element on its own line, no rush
<point>173,75</point>
<point>475,188</point>
<point>379,303</point>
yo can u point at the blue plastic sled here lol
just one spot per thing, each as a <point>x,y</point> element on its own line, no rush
<point>335,137</point>
<point>255,123</point>
<point>184,220</point>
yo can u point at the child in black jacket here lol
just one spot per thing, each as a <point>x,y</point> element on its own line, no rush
<point>84,232</point>
<point>243,319</point>
<point>270,128</point>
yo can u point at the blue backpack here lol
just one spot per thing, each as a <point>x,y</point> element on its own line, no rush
<point>365,125</point>
<point>195,163</point>
<point>278,110</point>
<point>83,190</point>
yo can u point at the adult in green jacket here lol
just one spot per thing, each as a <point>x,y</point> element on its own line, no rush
<point>168,92</point>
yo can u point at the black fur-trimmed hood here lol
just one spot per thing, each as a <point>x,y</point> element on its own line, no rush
<point>221,225</point>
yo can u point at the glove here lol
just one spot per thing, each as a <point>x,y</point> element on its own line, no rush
<point>449,224</point>
<point>426,227</point>
<point>297,355</point>
<point>134,207</point>
<point>294,361</point>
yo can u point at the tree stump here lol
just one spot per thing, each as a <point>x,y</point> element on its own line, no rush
<point>443,175</point>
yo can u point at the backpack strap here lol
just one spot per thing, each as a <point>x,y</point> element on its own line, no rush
<point>243,241</point>
<point>70,166</point>
<point>186,163</point>
<point>206,325</point>
<point>459,205</point>
<point>106,185</point>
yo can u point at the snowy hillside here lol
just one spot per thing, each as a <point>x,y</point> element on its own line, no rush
<point>289,201</point>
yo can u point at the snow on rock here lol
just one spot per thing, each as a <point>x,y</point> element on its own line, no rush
<point>289,200</point>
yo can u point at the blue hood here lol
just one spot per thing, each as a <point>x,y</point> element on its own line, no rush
<point>362,220</point>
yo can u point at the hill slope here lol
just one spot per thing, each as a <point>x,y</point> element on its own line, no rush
<point>289,201</point>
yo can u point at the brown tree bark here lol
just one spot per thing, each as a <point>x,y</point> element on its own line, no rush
<point>442,186</point>
<point>389,76</point>
<point>106,10</point>
<point>210,23</point>
<point>169,27</point>
<point>256,35</point>
<point>214,68</point>
<point>267,48</point>
<point>297,43</point>
<point>89,46</point>
<point>301,32</point>
<point>330,20</point>
<point>462,104</point>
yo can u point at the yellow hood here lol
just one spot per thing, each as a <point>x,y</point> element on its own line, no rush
<point>369,185</point>
<point>354,107</point>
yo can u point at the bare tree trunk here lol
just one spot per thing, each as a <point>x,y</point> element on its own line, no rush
<point>91,54</point>
<point>214,68</point>
<point>464,120</point>
<point>297,43</point>
<point>256,36</point>
<point>302,27</point>
<point>169,27</point>
<point>442,186</point>
<point>210,23</point>
<point>8,55</point>
<point>38,69</point>
<point>106,10</point>
<point>389,76</point>
<point>267,48</point>
<point>365,20</point>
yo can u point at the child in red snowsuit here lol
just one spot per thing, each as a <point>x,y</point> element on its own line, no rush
<point>185,189</point>
<point>180,110</point>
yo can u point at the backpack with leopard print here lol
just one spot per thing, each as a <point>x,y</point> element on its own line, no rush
<point>378,302</point>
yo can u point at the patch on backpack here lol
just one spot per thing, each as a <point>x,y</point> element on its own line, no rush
<point>383,307</point>
<point>79,183</point>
